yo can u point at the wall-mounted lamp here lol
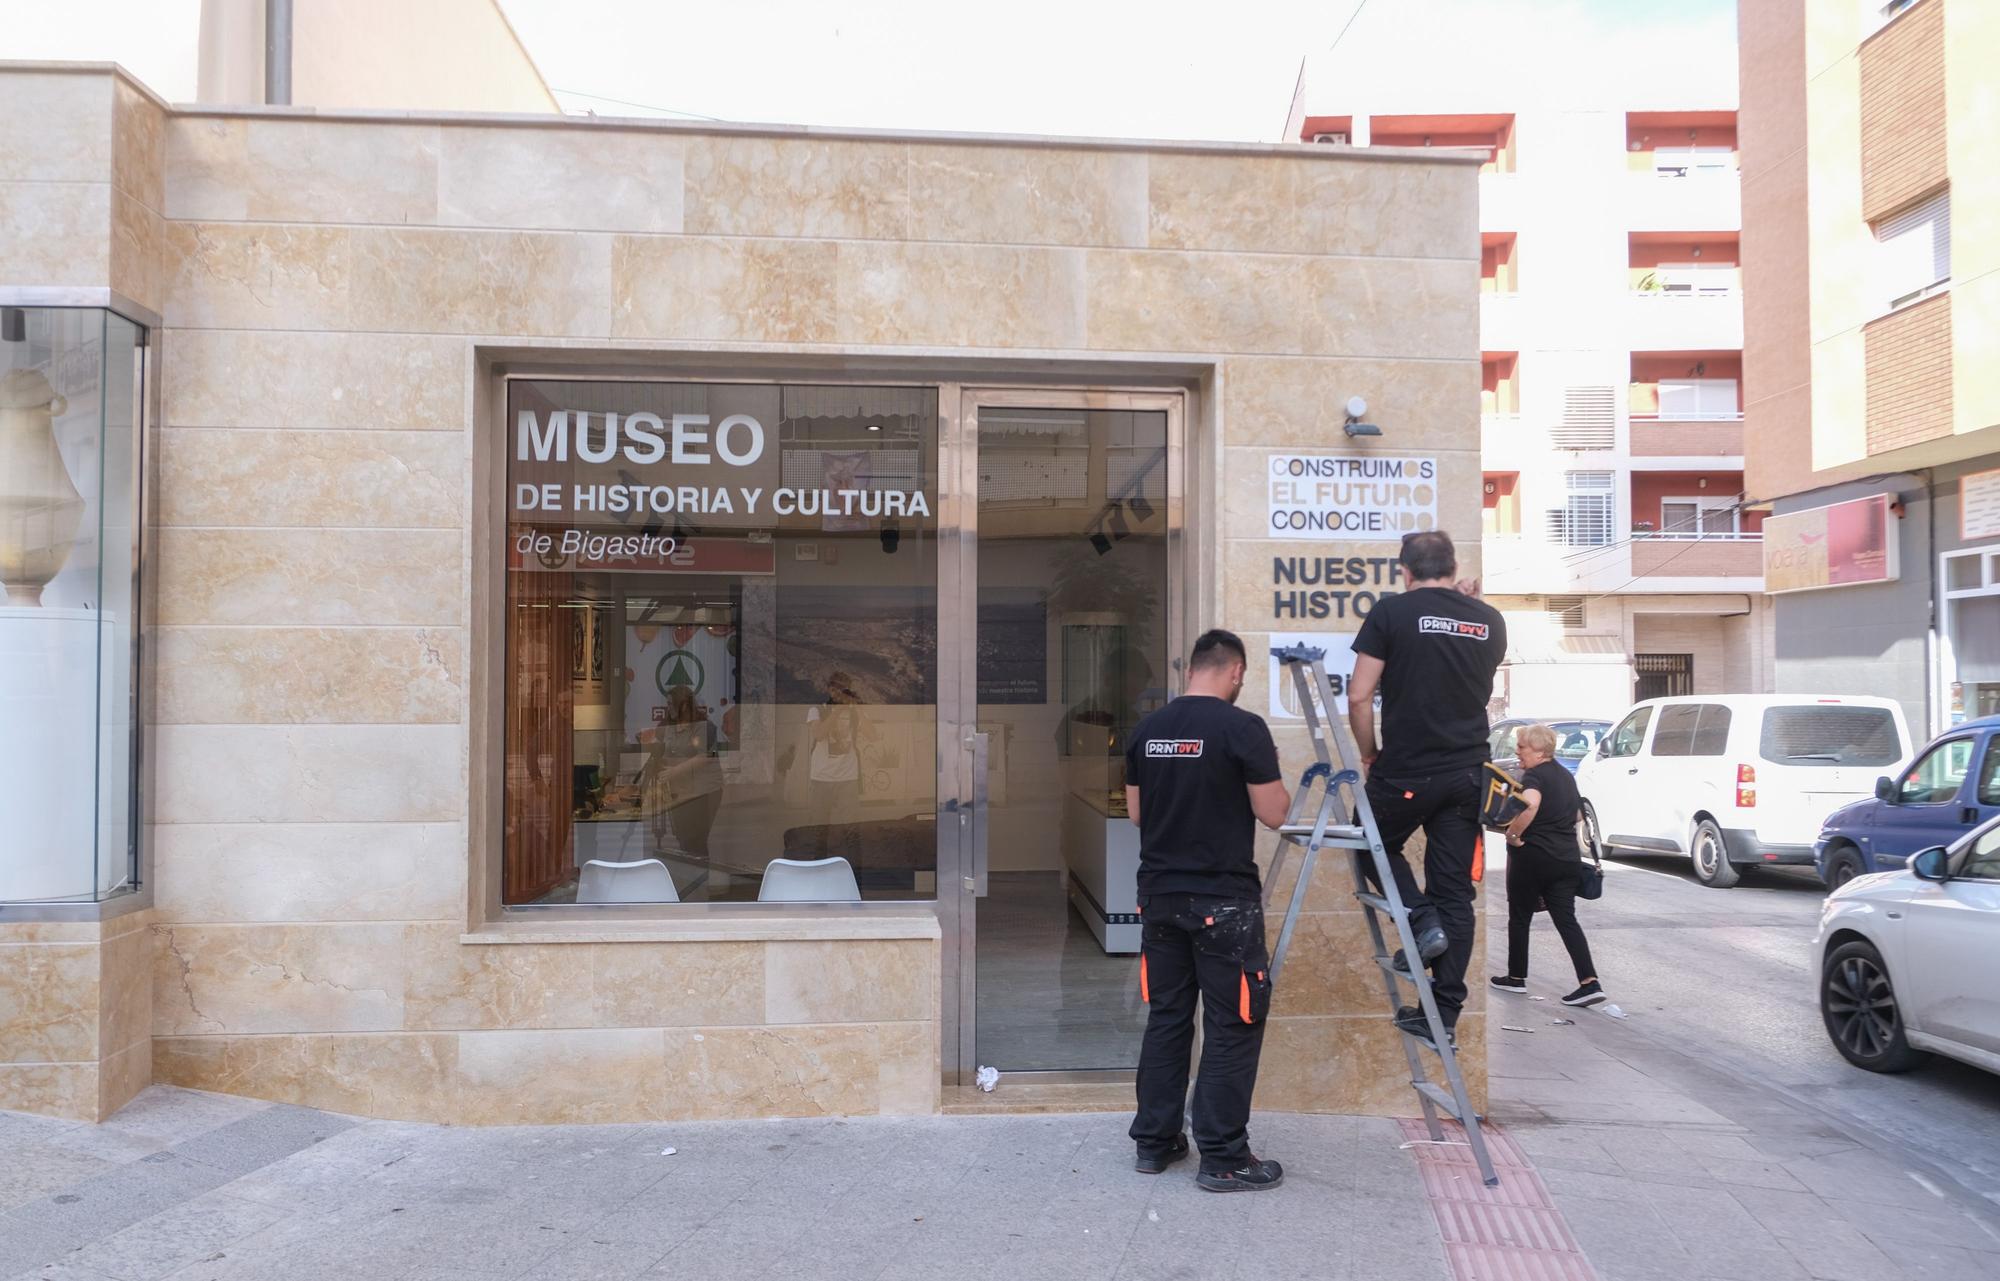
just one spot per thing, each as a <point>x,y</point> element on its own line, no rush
<point>1356,407</point>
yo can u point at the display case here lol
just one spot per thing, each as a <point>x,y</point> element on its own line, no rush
<point>1104,688</point>
<point>72,455</point>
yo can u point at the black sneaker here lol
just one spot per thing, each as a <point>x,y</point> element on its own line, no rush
<point>1431,940</point>
<point>1157,1162</point>
<point>1252,1176</point>
<point>1401,963</point>
<point>1589,994</point>
<point>1507,983</point>
<point>1411,1019</point>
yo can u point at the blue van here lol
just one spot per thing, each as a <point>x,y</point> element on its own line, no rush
<point>1951,787</point>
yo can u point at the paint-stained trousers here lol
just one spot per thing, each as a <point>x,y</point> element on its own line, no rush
<point>1199,945</point>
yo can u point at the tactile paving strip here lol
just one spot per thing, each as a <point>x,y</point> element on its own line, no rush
<point>1510,1233</point>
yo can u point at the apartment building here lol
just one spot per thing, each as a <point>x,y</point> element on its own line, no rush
<point>1870,169</point>
<point>1615,536</point>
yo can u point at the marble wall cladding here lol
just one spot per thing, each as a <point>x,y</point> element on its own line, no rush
<point>138,151</point>
<point>850,982</point>
<point>722,290</point>
<point>257,276</point>
<point>279,479</point>
<point>1007,195</point>
<point>596,180</point>
<point>48,1002</point>
<point>850,190</point>
<point>961,296</point>
<point>309,774</point>
<point>311,577</point>
<point>55,233</point>
<point>528,283</point>
<point>59,127</point>
<point>210,979</point>
<point>1420,405</point>
<point>309,675</point>
<point>135,263</point>
<point>212,873</point>
<point>316,382</point>
<point>75,1015</point>
<point>1355,1064</point>
<point>300,171</point>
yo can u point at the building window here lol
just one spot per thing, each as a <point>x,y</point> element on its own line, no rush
<point>1970,641</point>
<point>74,448</point>
<point>720,642</point>
<point>1877,14</point>
<point>1585,518</point>
<point>1662,676</point>
<point>1699,518</point>
<point>1693,161</point>
<point>1699,399</point>
<point>1913,251</point>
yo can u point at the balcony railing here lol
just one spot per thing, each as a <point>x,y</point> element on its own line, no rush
<point>1690,416</point>
<point>1690,554</point>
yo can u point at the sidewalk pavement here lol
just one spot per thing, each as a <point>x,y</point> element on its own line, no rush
<point>1662,1169</point>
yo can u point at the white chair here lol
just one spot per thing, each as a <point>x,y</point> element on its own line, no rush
<point>644,880</point>
<point>819,880</point>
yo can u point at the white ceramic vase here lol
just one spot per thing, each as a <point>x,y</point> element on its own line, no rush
<point>39,505</point>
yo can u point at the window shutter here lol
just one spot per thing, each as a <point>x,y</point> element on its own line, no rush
<point>1589,419</point>
<point>1915,249</point>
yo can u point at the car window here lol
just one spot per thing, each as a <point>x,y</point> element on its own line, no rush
<point>1829,735</point>
<point>1711,733</point>
<point>1503,741</point>
<point>1989,773</point>
<point>1675,737</point>
<point>1576,739</point>
<point>1938,774</point>
<point>1984,861</point>
<point>1631,732</point>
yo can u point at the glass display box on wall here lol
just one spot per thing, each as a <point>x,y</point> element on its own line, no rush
<point>73,452</point>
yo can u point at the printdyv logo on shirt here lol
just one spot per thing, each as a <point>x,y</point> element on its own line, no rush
<point>1451,627</point>
<point>1180,748</point>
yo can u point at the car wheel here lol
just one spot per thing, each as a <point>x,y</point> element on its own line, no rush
<point>1859,1006</point>
<point>1588,842</point>
<point>1842,866</point>
<point>1711,857</point>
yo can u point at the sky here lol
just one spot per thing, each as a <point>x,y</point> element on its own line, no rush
<point>1180,69</point>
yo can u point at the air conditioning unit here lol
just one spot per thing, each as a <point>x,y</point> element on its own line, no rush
<point>1337,139</point>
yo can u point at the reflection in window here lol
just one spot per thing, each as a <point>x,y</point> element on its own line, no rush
<point>721,642</point>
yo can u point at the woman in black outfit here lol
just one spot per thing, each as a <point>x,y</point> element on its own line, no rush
<point>1544,867</point>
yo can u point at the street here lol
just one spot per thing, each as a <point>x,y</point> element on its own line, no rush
<point>1727,978</point>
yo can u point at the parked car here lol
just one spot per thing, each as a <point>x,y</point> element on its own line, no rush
<point>1729,780</point>
<point>1906,959</point>
<point>1951,788</point>
<point>1576,738</point>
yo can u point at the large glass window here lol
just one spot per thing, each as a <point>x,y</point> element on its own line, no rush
<point>71,450</point>
<point>1938,774</point>
<point>721,646</point>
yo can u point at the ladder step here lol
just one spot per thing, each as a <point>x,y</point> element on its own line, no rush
<point>1334,831</point>
<point>1329,842</point>
<point>1440,1096</point>
<point>1388,963</point>
<point>1371,899</point>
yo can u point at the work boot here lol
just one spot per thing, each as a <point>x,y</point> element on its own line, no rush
<point>1158,1161</point>
<point>1411,1019</point>
<point>1252,1176</point>
<point>1431,940</point>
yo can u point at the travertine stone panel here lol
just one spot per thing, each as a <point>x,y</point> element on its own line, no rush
<point>138,148</point>
<point>1196,302</point>
<point>125,993</point>
<point>729,290</point>
<point>1355,1063</point>
<point>285,479</point>
<point>1391,306</point>
<point>121,1077</point>
<point>50,1089</point>
<point>55,233</point>
<point>302,171</point>
<point>909,1077</point>
<point>1009,195</point>
<point>676,984</point>
<point>1421,405</point>
<point>586,1076</point>
<point>1222,202</point>
<point>309,774</point>
<point>793,187</point>
<point>309,675</point>
<point>1331,967</point>
<point>527,283</point>
<point>451,985</point>
<point>1392,210</point>
<point>138,243</point>
<point>595,180</point>
<point>298,381</point>
<point>59,127</point>
<point>50,932</point>
<point>850,982</point>
<point>961,295</point>
<point>48,1002</point>
<point>401,1076</point>
<point>277,978</point>
<point>257,276</point>
<point>715,1073</point>
<point>275,872</point>
<point>269,577</point>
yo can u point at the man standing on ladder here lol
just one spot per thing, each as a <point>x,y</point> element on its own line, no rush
<point>1200,774</point>
<point>1432,650</point>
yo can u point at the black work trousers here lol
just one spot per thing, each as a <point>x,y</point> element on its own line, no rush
<point>1536,879</point>
<point>1446,807</point>
<point>1198,945</point>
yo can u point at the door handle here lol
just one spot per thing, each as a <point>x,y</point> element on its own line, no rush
<point>978,741</point>
<point>1968,815</point>
<point>1633,770</point>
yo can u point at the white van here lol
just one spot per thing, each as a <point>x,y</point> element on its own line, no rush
<point>1734,779</point>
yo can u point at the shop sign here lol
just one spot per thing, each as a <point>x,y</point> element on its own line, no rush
<point>1351,497</point>
<point>1979,506</point>
<point>1339,647</point>
<point>1841,545</point>
<point>569,551</point>
<point>1310,588</point>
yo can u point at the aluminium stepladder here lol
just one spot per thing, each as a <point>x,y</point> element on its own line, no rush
<point>1347,822</point>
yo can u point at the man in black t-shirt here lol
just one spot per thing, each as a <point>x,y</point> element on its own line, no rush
<point>1200,773</point>
<point>1432,650</point>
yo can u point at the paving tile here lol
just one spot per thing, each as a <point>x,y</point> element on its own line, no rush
<point>172,1239</point>
<point>34,1172</point>
<point>1849,1257</point>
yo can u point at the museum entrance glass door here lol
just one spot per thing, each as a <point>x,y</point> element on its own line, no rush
<point>1068,594</point>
